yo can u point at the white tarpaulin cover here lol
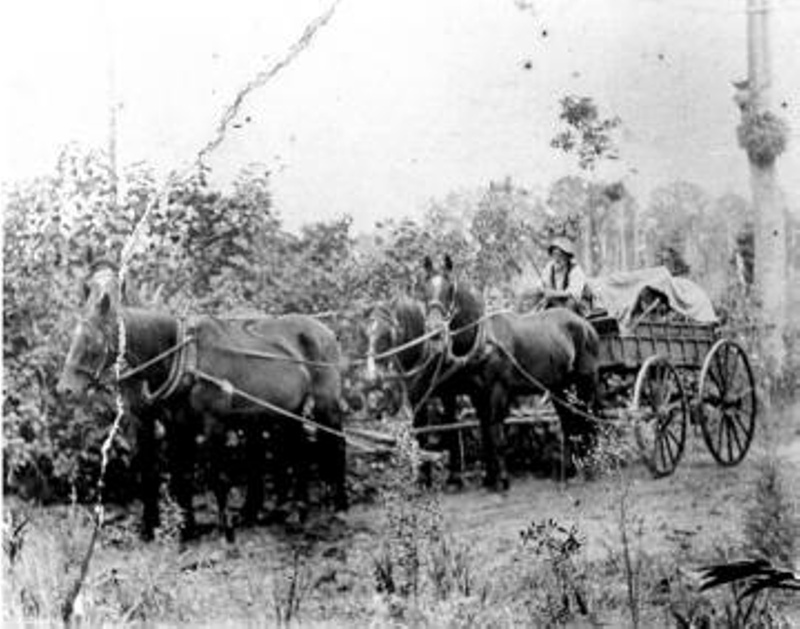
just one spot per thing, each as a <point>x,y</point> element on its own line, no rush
<point>619,293</point>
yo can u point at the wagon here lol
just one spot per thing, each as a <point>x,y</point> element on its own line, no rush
<point>665,364</point>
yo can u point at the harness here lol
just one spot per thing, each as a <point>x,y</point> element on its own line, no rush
<point>185,362</point>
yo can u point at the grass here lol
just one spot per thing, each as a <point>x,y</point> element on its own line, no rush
<point>407,561</point>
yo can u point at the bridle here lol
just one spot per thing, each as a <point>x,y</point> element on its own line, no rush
<point>110,348</point>
<point>437,305</point>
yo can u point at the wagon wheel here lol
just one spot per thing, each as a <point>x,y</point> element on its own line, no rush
<point>661,413</point>
<point>727,401</point>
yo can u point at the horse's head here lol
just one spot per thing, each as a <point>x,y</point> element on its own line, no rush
<point>438,293</point>
<point>93,348</point>
<point>396,325</point>
<point>381,331</point>
<point>450,306</point>
<point>95,337</point>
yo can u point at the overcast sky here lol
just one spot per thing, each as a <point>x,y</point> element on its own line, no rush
<point>396,101</point>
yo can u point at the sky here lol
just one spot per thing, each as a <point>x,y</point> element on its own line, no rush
<point>394,102</point>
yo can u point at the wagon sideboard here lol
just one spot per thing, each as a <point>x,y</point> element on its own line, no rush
<point>684,344</point>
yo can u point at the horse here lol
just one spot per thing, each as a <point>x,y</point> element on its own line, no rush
<point>396,333</point>
<point>146,419</point>
<point>252,373</point>
<point>505,355</point>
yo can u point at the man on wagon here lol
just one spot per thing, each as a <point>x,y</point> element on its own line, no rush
<point>563,282</point>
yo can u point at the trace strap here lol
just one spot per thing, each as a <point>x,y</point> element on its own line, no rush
<point>226,386</point>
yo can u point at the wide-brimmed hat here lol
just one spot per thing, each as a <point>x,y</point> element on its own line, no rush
<point>564,244</point>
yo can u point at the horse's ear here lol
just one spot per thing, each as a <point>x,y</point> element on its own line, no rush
<point>105,304</point>
<point>427,264</point>
<point>448,263</point>
<point>129,294</point>
<point>89,255</point>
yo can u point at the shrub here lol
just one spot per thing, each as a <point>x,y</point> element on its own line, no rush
<point>771,523</point>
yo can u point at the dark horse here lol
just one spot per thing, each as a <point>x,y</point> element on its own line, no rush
<point>396,334</point>
<point>217,374</point>
<point>505,355</point>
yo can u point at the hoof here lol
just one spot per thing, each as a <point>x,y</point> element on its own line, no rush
<point>230,534</point>
<point>296,521</point>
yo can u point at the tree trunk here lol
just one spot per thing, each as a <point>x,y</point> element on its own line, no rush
<point>770,207</point>
<point>770,260</point>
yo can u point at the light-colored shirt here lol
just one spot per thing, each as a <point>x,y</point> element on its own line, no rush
<point>574,283</point>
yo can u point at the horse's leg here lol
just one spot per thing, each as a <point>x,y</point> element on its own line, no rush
<point>255,448</point>
<point>499,404</point>
<point>220,480</point>
<point>453,443</point>
<point>281,450</point>
<point>147,454</point>
<point>299,447</point>
<point>574,427</point>
<point>182,446</point>
<point>586,387</point>
<point>484,409</point>
<point>333,453</point>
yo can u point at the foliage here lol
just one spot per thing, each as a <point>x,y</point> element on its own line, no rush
<point>413,524</point>
<point>559,546</point>
<point>763,135</point>
<point>507,230</point>
<point>592,139</point>
<point>586,134</point>
<point>771,523</point>
<point>202,250</point>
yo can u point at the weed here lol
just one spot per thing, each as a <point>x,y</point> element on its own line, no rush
<point>41,562</point>
<point>451,570</point>
<point>565,592</point>
<point>413,526</point>
<point>771,523</point>
<point>290,587</point>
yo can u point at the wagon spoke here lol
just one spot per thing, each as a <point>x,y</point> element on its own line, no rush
<point>740,426</point>
<point>669,439</point>
<point>715,373</point>
<point>720,426</point>
<point>734,432</point>
<point>731,433</point>
<point>664,452</point>
<point>733,370</point>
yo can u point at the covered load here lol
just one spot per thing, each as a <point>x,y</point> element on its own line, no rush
<point>631,295</point>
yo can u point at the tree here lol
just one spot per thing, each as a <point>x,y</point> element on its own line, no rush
<point>591,138</point>
<point>674,219</point>
<point>587,211</point>
<point>763,135</point>
<point>507,232</point>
